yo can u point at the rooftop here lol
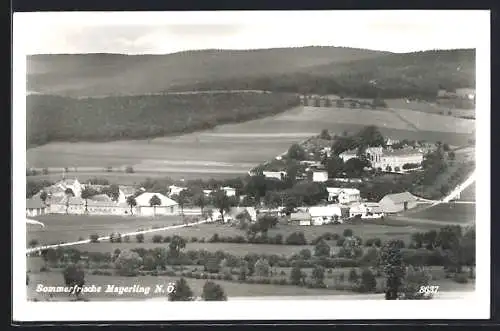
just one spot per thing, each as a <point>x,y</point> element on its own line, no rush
<point>400,197</point>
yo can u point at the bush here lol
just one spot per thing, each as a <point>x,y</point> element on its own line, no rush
<point>296,238</point>
<point>368,281</point>
<point>167,239</point>
<point>157,238</point>
<point>194,239</point>
<point>129,170</point>
<point>33,243</point>
<point>347,233</point>
<point>94,238</point>
<point>139,237</point>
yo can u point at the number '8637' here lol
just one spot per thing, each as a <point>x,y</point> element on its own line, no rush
<point>428,289</point>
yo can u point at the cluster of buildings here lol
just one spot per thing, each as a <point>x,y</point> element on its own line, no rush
<point>346,203</point>
<point>388,159</point>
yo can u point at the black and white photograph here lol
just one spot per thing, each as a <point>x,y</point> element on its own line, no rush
<point>324,162</point>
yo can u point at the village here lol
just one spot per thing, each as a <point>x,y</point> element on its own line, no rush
<point>339,199</point>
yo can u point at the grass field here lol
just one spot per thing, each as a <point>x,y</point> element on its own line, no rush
<point>235,148</point>
<point>450,212</point>
<point>72,227</point>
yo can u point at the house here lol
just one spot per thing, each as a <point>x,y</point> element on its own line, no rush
<point>125,192</point>
<point>230,192</point>
<point>274,174</point>
<point>175,190</point>
<point>68,205</point>
<point>207,193</point>
<point>167,206</point>
<point>325,214</point>
<point>466,93</point>
<point>395,203</point>
<point>343,195</point>
<point>300,218</point>
<point>35,207</point>
<point>72,184</point>
<point>320,176</point>
<point>95,207</point>
<point>366,210</point>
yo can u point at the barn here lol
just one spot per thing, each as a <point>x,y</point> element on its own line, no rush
<point>166,205</point>
<point>398,202</point>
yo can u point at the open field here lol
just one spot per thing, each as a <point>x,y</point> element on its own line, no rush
<point>72,227</point>
<point>235,148</point>
<point>448,212</point>
<point>428,107</point>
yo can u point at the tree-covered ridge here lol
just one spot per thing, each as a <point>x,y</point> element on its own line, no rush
<point>54,118</point>
<point>419,74</point>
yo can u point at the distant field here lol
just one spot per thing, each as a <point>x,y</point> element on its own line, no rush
<point>469,194</point>
<point>428,107</point>
<point>235,148</point>
<point>450,212</point>
<point>71,227</point>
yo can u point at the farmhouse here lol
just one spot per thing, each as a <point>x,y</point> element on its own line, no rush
<point>366,210</point>
<point>107,208</point>
<point>300,218</point>
<point>275,174</point>
<point>320,176</point>
<point>387,159</point>
<point>125,192</point>
<point>35,207</point>
<point>175,190</point>
<point>167,206</point>
<point>230,192</point>
<point>395,203</point>
<point>325,214</point>
<point>72,184</point>
<point>68,205</point>
<point>343,195</point>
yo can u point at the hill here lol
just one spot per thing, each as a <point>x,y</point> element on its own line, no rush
<point>119,74</point>
<point>418,74</point>
<point>55,118</point>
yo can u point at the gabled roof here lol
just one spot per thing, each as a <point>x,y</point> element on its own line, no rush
<point>398,198</point>
<point>144,198</point>
<point>300,216</point>
<point>34,203</point>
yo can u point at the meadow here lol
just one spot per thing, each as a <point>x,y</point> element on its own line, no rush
<point>232,149</point>
<point>449,212</point>
<point>70,228</point>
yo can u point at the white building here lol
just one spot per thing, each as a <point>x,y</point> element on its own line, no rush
<point>175,190</point>
<point>366,210</point>
<point>387,159</point>
<point>72,184</point>
<point>166,207</point>
<point>35,207</point>
<point>301,218</point>
<point>230,192</point>
<point>320,176</point>
<point>325,214</point>
<point>343,195</point>
<point>207,193</point>
<point>275,174</point>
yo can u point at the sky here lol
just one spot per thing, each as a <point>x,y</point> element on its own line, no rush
<point>170,32</point>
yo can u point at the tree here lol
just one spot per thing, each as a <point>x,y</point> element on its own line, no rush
<point>33,243</point>
<point>297,277</point>
<point>266,222</point>
<point>318,275</point>
<point>154,202</point>
<point>74,276</point>
<point>414,280</point>
<point>213,292</point>
<point>391,261</point>
<point>139,237</point>
<point>370,136</point>
<point>354,167</point>
<point>129,170</point>
<point>43,196</point>
<point>368,281</point>
<point>262,268</point>
<point>325,135</point>
<point>182,292</point>
<point>222,203</point>
<point>182,199</point>
<point>128,263</point>
<point>87,193</point>
<point>132,203</point>
<point>200,201</point>
<point>347,233</point>
<point>451,155</point>
<point>353,277</point>
<point>176,245</point>
<point>296,152</point>
<point>334,166</point>
<point>322,249</point>
<point>69,192</point>
<point>296,238</point>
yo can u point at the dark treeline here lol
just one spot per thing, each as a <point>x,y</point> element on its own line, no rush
<point>53,118</point>
<point>417,75</point>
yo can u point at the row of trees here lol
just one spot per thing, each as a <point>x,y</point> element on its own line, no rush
<point>342,102</point>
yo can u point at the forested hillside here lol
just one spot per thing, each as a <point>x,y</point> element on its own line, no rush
<point>418,74</point>
<point>55,118</point>
<point>119,74</point>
